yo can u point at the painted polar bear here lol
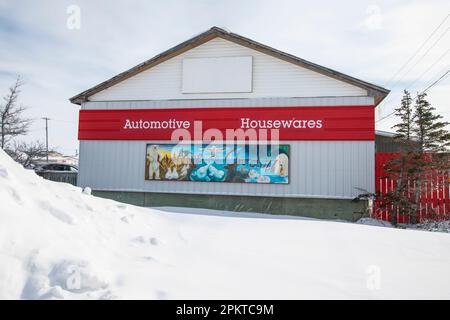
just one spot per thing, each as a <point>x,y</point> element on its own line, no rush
<point>281,166</point>
<point>154,156</point>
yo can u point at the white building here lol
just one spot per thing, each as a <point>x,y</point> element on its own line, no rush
<point>56,157</point>
<point>226,81</point>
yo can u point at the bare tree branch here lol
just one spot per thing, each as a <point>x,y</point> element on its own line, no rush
<point>12,122</point>
<point>26,153</point>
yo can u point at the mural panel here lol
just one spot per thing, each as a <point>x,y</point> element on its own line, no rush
<point>218,163</point>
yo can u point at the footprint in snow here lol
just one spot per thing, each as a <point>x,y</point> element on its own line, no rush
<point>127,219</point>
<point>148,258</point>
<point>122,206</point>
<point>57,213</point>
<point>3,173</point>
<point>144,240</point>
<point>15,195</point>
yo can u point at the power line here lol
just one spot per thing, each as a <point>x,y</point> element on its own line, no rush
<point>413,56</point>
<point>66,121</point>
<point>36,129</point>
<point>386,116</point>
<point>429,87</point>
<point>420,59</point>
<point>425,90</point>
<point>429,68</point>
<point>437,74</point>
<point>418,50</point>
<point>436,82</point>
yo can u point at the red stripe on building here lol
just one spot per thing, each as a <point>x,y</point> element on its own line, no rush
<point>306,123</point>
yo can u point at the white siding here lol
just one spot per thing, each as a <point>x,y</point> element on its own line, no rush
<point>212,75</point>
<point>272,77</point>
<point>326,169</point>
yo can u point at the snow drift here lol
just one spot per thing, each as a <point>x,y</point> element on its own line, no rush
<point>57,242</point>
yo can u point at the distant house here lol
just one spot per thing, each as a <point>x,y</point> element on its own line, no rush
<point>56,157</point>
<point>385,142</point>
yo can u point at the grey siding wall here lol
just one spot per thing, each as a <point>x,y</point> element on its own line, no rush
<point>326,169</point>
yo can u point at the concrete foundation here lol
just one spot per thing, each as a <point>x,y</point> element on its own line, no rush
<point>307,207</point>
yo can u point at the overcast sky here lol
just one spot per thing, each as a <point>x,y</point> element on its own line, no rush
<point>370,40</point>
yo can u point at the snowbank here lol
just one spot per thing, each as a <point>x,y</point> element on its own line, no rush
<point>374,222</point>
<point>57,242</point>
<point>432,226</point>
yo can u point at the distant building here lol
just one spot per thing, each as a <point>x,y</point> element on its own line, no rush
<point>385,142</point>
<point>56,157</point>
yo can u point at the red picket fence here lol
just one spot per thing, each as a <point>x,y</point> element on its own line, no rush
<point>434,202</point>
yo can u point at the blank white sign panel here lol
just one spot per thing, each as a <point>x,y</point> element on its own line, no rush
<point>217,75</point>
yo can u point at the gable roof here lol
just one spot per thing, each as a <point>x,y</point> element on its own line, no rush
<point>379,93</point>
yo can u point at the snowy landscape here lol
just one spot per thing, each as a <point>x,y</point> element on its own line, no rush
<point>57,242</point>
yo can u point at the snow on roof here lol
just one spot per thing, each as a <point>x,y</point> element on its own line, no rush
<point>384,133</point>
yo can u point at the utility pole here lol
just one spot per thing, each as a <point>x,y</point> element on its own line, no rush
<point>46,135</point>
